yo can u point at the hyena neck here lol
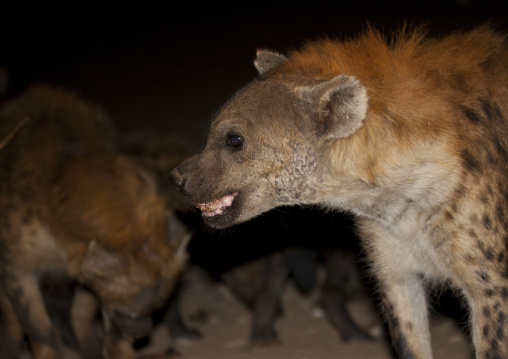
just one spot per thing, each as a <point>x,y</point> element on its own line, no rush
<point>401,195</point>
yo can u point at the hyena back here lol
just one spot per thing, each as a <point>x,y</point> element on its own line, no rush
<point>410,135</point>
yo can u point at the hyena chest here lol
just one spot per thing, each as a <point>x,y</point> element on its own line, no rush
<point>38,251</point>
<point>410,239</point>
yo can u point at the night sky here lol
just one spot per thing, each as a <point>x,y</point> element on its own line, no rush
<point>163,65</point>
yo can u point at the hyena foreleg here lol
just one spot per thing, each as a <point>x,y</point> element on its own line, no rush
<point>24,295</point>
<point>11,332</point>
<point>84,310</point>
<point>405,309</point>
<point>489,315</point>
<point>403,292</point>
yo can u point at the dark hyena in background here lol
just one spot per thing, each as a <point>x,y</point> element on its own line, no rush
<point>411,135</point>
<point>73,208</point>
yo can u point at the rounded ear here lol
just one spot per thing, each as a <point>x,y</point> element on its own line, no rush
<point>339,105</point>
<point>267,61</point>
<point>179,235</point>
<point>101,263</point>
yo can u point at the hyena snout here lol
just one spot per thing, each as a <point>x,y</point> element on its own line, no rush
<point>179,180</point>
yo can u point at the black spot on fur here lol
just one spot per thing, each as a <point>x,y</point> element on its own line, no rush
<point>487,223</point>
<point>454,208</point>
<point>494,345</point>
<point>471,115</point>
<point>494,350</point>
<point>504,293</point>
<point>470,162</point>
<point>500,213</point>
<point>489,292</point>
<point>460,192</point>
<point>497,306</point>
<point>499,147</point>
<point>483,276</point>
<point>487,108</point>
<point>500,257</point>
<point>489,254</point>
<point>501,318</point>
<point>486,312</point>
<point>486,331</point>
<point>499,114</point>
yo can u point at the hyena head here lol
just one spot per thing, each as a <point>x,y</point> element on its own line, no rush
<point>265,148</point>
<point>132,286</point>
<point>138,246</point>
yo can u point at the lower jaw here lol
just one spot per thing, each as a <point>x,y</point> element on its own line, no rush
<point>219,221</point>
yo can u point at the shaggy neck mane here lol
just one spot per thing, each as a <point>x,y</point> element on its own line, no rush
<point>414,84</point>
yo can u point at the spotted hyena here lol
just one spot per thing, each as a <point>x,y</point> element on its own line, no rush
<point>411,135</point>
<point>73,208</point>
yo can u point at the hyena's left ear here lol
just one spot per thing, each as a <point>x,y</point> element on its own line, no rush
<point>267,61</point>
<point>179,235</point>
<point>100,263</point>
<point>338,106</point>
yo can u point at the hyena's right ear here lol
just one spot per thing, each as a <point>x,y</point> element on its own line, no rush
<point>267,61</point>
<point>100,263</point>
<point>337,106</point>
<point>179,235</point>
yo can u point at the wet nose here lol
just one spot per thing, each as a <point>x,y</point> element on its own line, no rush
<point>178,180</point>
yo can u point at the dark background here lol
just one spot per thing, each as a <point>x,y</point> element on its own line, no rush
<point>168,66</point>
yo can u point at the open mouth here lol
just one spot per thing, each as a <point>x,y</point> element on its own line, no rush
<point>217,207</point>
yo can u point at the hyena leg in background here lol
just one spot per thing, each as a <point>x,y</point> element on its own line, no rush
<point>12,334</point>
<point>84,311</point>
<point>28,305</point>
<point>267,306</point>
<point>341,282</point>
<point>115,345</point>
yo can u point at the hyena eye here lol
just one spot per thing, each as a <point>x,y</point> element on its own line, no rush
<point>234,141</point>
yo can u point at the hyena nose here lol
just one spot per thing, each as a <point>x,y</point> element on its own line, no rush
<point>178,180</point>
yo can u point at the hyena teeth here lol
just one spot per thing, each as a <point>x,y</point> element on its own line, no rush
<point>217,206</point>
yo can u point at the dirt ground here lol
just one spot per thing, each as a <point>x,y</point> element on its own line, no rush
<point>304,331</point>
